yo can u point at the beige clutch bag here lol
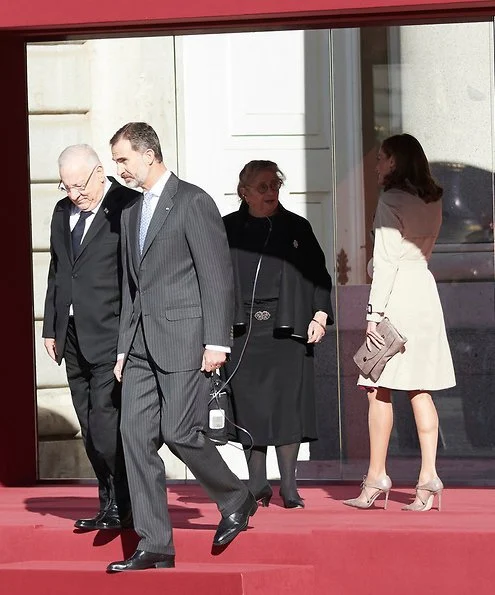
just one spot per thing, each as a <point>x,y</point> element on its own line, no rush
<point>372,362</point>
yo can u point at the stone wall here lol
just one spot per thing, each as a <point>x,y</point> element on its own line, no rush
<point>77,95</point>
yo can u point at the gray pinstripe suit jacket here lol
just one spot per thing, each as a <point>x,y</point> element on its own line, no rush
<point>182,284</point>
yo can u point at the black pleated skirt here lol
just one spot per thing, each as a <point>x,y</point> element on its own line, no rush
<point>273,392</point>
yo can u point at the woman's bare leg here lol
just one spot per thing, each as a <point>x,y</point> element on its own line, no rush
<point>426,417</point>
<point>380,423</point>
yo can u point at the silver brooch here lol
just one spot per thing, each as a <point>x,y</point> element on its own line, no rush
<point>295,243</point>
<point>262,315</point>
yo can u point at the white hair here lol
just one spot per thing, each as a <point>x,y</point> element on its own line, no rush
<point>81,153</point>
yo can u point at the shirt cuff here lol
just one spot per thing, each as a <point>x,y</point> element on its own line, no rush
<point>374,317</point>
<point>120,356</point>
<point>218,348</point>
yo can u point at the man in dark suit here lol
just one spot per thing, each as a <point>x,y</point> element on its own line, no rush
<point>176,328</point>
<point>81,320</point>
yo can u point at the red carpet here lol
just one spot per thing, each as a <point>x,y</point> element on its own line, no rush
<point>326,548</point>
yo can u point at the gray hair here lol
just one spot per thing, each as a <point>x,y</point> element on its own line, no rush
<point>252,169</point>
<point>83,153</point>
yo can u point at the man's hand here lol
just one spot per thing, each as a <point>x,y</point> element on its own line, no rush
<point>212,360</point>
<point>117,371</point>
<point>51,348</point>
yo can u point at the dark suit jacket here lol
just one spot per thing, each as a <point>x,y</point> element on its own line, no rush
<point>305,285</point>
<point>182,285</point>
<point>91,283</point>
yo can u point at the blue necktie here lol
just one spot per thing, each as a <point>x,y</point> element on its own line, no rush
<point>78,232</point>
<point>146,214</point>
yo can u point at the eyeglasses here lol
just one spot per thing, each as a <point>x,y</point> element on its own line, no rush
<point>79,188</point>
<point>263,188</point>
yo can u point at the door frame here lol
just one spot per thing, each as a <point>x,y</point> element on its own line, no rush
<point>24,21</point>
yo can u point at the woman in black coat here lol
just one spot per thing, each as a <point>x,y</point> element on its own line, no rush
<point>282,309</point>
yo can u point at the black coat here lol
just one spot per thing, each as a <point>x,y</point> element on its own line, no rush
<point>305,285</point>
<point>91,283</point>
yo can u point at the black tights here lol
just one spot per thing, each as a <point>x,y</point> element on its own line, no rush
<point>287,461</point>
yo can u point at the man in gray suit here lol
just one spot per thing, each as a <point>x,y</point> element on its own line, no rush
<point>175,330</point>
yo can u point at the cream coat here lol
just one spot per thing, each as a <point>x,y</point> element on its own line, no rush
<point>404,290</point>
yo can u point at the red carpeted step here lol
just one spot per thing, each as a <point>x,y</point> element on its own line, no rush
<point>192,545</point>
<point>352,552</point>
<point>79,578</point>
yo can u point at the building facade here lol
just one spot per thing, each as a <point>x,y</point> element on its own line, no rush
<point>325,85</point>
<point>317,102</point>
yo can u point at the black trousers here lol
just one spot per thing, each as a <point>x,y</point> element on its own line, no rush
<point>96,396</point>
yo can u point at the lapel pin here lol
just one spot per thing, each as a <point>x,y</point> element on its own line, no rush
<point>295,243</point>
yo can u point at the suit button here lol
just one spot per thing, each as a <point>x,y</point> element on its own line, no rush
<point>74,276</point>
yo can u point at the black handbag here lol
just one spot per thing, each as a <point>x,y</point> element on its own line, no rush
<point>218,428</point>
<point>371,362</point>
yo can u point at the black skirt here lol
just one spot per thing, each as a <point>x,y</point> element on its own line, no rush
<point>273,393</point>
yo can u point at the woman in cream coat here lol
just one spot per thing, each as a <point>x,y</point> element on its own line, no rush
<point>406,226</point>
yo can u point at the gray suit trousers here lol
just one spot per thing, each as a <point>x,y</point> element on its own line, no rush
<point>170,408</point>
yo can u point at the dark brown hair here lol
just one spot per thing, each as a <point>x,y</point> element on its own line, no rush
<point>252,169</point>
<point>412,171</point>
<point>141,136</point>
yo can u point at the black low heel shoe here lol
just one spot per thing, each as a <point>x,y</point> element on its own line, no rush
<point>264,496</point>
<point>293,502</point>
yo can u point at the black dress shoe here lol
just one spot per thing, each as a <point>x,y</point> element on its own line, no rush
<point>89,524</point>
<point>292,501</point>
<point>106,519</point>
<point>113,519</point>
<point>230,526</point>
<point>141,560</point>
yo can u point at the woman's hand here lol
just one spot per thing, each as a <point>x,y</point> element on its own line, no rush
<point>373,337</point>
<point>317,327</point>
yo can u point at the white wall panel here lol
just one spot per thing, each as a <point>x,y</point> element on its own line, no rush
<point>58,78</point>
<point>278,86</point>
<point>41,262</point>
<point>133,79</point>
<point>44,197</point>
<point>258,96</point>
<point>48,136</point>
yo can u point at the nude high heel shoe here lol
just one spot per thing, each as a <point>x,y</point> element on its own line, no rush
<point>371,493</point>
<point>433,488</point>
